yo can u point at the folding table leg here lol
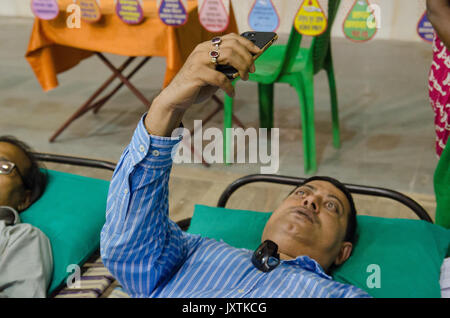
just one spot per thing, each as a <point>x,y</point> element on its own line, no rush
<point>135,91</point>
<point>235,119</point>
<point>87,105</point>
<point>217,110</point>
<point>102,101</point>
<point>210,116</point>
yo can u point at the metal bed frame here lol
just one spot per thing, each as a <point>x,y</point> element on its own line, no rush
<point>74,161</point>
<point>237,184</point>
<point>295,181</point>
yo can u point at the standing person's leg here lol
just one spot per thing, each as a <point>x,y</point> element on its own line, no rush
<point>442,189</point>
<point>439,93</point>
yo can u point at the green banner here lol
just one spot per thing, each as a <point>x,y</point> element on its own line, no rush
<point>360,24</point>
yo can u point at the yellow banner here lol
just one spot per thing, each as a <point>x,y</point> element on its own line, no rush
<point>310,19</point>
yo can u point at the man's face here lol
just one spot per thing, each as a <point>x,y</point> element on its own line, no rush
<point>312,221</point>
<point>12,191</point>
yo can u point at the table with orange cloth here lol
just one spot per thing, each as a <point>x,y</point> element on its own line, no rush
<point>54,48</point>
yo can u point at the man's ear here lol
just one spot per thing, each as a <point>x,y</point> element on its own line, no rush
<point>26,201</point>
<point>344,253</point>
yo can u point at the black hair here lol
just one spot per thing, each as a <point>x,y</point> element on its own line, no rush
<point>35,178</point>
<point>350,234</point>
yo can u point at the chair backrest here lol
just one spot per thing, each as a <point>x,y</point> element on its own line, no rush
<point>319,44</point>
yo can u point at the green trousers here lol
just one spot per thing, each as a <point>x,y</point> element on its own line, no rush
<point>442,188</point>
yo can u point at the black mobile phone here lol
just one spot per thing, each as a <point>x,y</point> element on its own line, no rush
<point>261,39</point>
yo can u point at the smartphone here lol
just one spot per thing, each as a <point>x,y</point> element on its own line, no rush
<point>261,39</point>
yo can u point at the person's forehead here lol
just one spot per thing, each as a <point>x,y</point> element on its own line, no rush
<point>327,188</point>
<point>14,153</point>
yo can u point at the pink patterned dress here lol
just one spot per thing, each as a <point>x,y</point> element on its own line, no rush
<point>439,92</point>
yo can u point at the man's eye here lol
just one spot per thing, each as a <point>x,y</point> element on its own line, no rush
<point>331,206</point>
<point>301,192</point>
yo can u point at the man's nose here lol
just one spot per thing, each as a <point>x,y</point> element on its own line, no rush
<point>311,203</point>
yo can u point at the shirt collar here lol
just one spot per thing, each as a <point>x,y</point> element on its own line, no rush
<point>308,264</point>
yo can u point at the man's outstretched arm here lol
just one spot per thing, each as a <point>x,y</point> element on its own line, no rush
<point>140,245</point>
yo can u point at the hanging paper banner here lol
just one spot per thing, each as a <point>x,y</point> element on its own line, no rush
<point>90,10</point>
<point>214,15</point>
<point>263,16</point>
<point>172,12</point>
<point>310,19</point>
<point>45,9</point>
<point>130,11</point>
<point>360,24</point>
<point>425,29</point>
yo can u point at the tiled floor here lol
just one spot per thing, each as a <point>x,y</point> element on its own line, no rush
<point>386,120</point>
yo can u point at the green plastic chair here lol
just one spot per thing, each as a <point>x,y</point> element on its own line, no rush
<point>295,66</point>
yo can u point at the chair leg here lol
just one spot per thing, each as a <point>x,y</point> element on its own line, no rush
<point>227,125</point>
<point>310,121</point>
<point>265,92</point>
<point>334,102</point>
<point>298,85</point>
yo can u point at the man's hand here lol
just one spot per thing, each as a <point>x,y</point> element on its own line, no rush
<point>198,80</point>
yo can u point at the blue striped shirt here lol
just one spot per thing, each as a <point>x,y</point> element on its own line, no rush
<point>151,256</point>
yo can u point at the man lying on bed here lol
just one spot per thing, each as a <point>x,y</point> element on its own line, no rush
<point>151,257</point>
<point>26,261</point>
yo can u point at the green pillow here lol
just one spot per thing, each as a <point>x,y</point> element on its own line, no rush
<point>71,212</point>
<point>407,254</point>
<point>243,228</point>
